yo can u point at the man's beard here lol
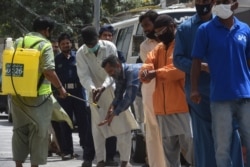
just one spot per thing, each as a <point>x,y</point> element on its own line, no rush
<point>66,51</point>
<point>151,35</point>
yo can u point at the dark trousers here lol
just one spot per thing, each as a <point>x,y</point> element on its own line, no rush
<point>110,148</point>
<point>64,140</point>
<point>83,120</point>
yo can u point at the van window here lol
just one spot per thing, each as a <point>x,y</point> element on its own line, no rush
<point>139,30</point>
<point>137,39</point>
<point>123,39</point>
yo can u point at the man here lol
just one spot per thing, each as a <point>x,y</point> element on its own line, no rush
<point>30,124</point>
<point>55,46</point>
<point>169,101</point>
<point>127,85</point>
<point>95,80</point>
<point>200,113</point>
<point>225,43</point>
<point>154,146</point>
<point>66,70</point>
<point>106,33</point>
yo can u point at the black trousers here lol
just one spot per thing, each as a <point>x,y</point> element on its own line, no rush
<point>83,120</point>
<point>110,148</point>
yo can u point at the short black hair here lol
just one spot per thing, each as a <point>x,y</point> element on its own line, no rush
<point>152,15</point>
<point>112,60</point>
<point>42,23</point>
<point>89,35</point>
<point>64,36</point>
<point>164,20</point>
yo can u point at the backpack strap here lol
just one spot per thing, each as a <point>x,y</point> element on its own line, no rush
<point>41,79</point>
<point>33,45</point>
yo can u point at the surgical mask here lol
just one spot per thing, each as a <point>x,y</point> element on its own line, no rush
<point>203,9</point>
<point>94,49</point>
<point>223,10</point>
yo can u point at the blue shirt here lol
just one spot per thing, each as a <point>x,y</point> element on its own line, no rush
<point>66,68</point>
<point>182,59</point>
<point>227,52</point>
<point>127,86</point>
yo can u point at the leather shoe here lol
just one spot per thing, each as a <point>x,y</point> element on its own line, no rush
<point>100,164</point>
<point>111,163</point>
<point>87,164</point>
<point>125,164</point>
<point>69,156</point>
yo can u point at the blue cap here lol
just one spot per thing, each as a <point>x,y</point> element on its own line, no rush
<point>106,27</point>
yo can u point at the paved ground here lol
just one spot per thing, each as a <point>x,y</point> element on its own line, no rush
<point>54,161</point>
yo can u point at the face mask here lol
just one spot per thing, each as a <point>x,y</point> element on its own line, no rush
<point>94,49</point>
<point>151,35</point>
<point>203,9</point>
<point>223,11</point>
<point>167,37</point>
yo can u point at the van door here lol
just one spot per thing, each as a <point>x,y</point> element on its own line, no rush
<point>123,39</point>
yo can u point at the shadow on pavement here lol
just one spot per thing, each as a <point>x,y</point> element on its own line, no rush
<point>5,122</point>
<point>6,159</point>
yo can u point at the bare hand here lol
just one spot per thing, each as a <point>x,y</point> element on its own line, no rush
<point>109,117</point>
<point>148,75</point>
<point>195,97</point>
<point>62,93</point>
<point>204,67</point>
<point>97,94</point>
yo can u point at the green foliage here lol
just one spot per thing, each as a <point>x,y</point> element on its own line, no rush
<point>16,16</point>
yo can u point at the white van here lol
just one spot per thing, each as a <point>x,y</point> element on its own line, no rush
<point>129,34</point>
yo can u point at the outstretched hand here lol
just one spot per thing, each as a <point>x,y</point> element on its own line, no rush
<point>109,117</point>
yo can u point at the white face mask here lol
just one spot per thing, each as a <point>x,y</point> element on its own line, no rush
<point>222,10</point>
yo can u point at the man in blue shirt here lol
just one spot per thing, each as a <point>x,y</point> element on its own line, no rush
<point>200,113</point>
<point>225,43</point>
<point>126,83</point>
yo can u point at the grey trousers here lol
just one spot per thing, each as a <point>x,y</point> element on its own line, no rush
<point>175,144</point>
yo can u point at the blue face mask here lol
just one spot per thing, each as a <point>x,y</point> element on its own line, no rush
<point>94,49</point>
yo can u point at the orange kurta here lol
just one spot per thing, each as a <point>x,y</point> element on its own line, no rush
<point>169,96</point>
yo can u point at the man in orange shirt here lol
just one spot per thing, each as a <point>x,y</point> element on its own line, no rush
<point>169,100</point>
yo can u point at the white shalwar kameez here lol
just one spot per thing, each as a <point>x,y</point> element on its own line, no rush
<point>93,76</point>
